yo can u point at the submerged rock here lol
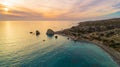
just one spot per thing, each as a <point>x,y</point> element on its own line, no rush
<point>37,33</point>
<point>50,36</point>
<point>50,32</point>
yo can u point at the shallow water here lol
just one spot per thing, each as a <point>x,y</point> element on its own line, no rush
<point>19,48</point>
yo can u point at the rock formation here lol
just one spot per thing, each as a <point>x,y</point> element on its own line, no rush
<point>50,32</point>
<point>37,33</point>
<point>56,37</point>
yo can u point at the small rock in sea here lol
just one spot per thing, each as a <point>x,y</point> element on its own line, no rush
<point>68,38</point>
<point>44,40</point>
<point>56,37</point>
<point>50,32</point>
<point>37,33</point>
<point>31,32</point>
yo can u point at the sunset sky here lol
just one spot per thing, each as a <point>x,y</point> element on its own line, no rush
<point>59,9</point>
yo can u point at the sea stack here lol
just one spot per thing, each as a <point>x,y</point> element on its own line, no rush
<point>37,33</point>
<point>50,32</point>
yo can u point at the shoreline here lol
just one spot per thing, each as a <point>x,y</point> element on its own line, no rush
<point>115,55</point>
<point>104,33</point>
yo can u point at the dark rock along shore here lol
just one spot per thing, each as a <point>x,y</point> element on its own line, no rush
<point>104,32</point>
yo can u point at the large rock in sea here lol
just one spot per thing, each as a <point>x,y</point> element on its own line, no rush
<point>50,32</point>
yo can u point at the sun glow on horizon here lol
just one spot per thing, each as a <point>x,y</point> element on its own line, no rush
<point>6,9</point>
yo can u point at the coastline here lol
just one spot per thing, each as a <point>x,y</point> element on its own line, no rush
<point>104,33</point>
<point>115,55</point>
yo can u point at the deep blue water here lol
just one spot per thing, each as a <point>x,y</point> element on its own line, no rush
<point>18,48</point>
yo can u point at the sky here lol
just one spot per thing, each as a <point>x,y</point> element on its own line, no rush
<point>59,9</point>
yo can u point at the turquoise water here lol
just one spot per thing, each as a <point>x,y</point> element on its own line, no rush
<point>18,48</point>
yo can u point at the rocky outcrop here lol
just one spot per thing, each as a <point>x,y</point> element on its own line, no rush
<point>37,33</point>
<point>50,32</point>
